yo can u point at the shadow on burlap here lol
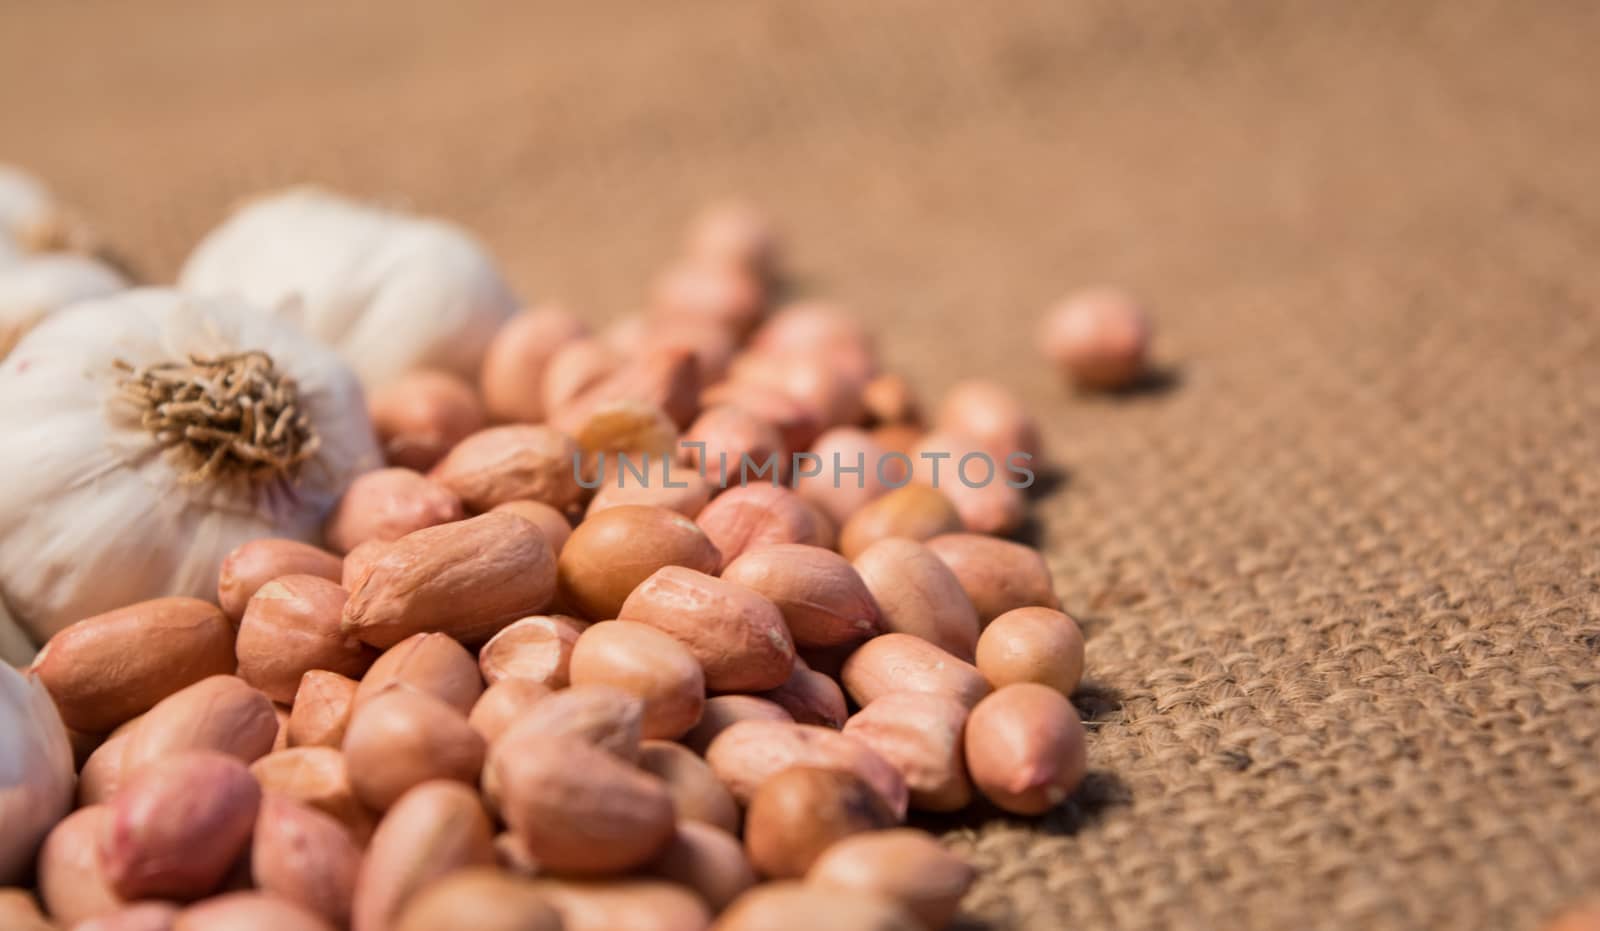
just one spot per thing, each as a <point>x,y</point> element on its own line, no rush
<point>1341,580</point>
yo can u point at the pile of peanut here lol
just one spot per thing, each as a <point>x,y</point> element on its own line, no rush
<point>503,701</point>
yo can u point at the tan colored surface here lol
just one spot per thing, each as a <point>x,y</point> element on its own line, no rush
<point>1342,582</point>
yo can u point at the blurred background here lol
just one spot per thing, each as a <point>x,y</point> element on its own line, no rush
<point>1339,579</point>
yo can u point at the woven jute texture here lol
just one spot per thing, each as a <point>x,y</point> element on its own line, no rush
<point>1341,573</point>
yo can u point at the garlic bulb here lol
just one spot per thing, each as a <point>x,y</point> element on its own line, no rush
<point>150,433</point>
<point>391,292</point>
<point>36,775</point>
<point>35,286</point>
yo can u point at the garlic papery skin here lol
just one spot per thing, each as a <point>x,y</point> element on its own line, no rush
<point>114,412</point>
<point>36,775</point>
<point>16,647</point>
<point>35,286</point>
<point>391,292</point>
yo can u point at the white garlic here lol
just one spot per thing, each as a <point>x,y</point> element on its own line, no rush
<point>391,292</point>
<point>36,286</point>
<point>116,490</point>
<point>36,775</point>
<point>25,206</point>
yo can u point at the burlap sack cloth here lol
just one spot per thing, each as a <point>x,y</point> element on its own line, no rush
<point>1341,579</point>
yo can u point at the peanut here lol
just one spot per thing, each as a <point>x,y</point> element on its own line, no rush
<point>468,579</point>
<point>291,627</point>
<point>632,904</point>
<point>1032,645</point>
<point>501,704</point>
<point>623,426</point>
<point>511,463</point>
<point>997,575</point>
<point>601,715</point>
<point>579,809</point>
<point>433,664</point>
<point>574,368</point>
<point>423,414</point>
<point>538,649</point>
<point>72,881</point>
<point>724,711</point>
<point>990,504</point>
<point>512,378</point>
<point>854,470</point>
<point>798,424</point>
<point>107,669</point>
<point>810,697</point>
<point>643,661</point>
<point>991,415</point>
<point>905,865</point>
<point>821,596</point>
<point>826,385</point>
<point>248,911</point>
<point>19,912</point>
<point>734,233</point>
<point>1099,337</point>
<point>748,753</point>
<point>551,522</point>
<point>819,329</point>
<point>305,856</point>
<point>917,594</point>
<point>481,899</point>
<point>140,916</point>
<point>387,504</point>
<point>737,636</point>
<point>1025,748</point>
<point>703,290</point>
<point>914,512</point>
<point>613,552</point>
<point>903,663</point>
<point>318,777</point>
<point>258,562</point>
<point>795,906</point>
<point>178,825</point>
<point>708,860</point>
<point>889,400</point>
<point>401,739</point>
<point>665,484</point>
<point>802,811</point>
<point>697,794</point>
<point>321,709</point>
<point>921,736</point>
<point>433,830</point>
<point>358,561</point>
<point>665,377</point>
<point>726,436</point>
<point>742,519</point>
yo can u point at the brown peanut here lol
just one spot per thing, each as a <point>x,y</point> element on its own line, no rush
<point>748,753</point>
<point>797,422</point>
<point>512,378</point>
<point>468,579</point>
<point>991,415</point>
<point>665,377</point>
<point>387,504</point>
<point>579,809</point>
<point>653,482</point>
<point>1032,645</point>
<point>258,562</point>
<point>920,735</point>
<point>903,663</point>
<point>918,594</point>
<point>854,470</point>
<point>913,512</point>
<point>742,519</point>
<point>802,811</point>
<point>140,916</point>
<point>1099,337</point>
<point>905,865</point>
<point>433,664</point>
<point>321,709</point>
<point>997,575</point>
<point>423,414</point>
<point>796,906</point>
<point>358,561</point>
<point>734,233</point>
<point>318,777</point>
<point>700,289</point>
<point>433,830</point>
<point>538,649</point>
<point>481,899</point>
<point>810,697</point>
<point>248,911</point>
<point>623,425</point>
<point>737,636</point>
<point>19,912</point>
<point>72,881</point>
<point>889,400</point>
<point>574,368</point>
<point>989,504</point>
<point>178,825</point>
<point>401,739</point>
<point>551,522</point>
<point>511,463</point>
<point>292,626</point>
<point>1025,748</point>
<point>107,669</point>
<point>502,703</point>
<point>305,856</point>
<point>724,711</point>
<point>602,715</point>
<point>725,437</point>
<point>643,661</point>
<point>708,860</point>
<point>613,552</point>
<point>817,382</point>
<point>697,794</point>
<point>821,596</point>
<point>632,904</point>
